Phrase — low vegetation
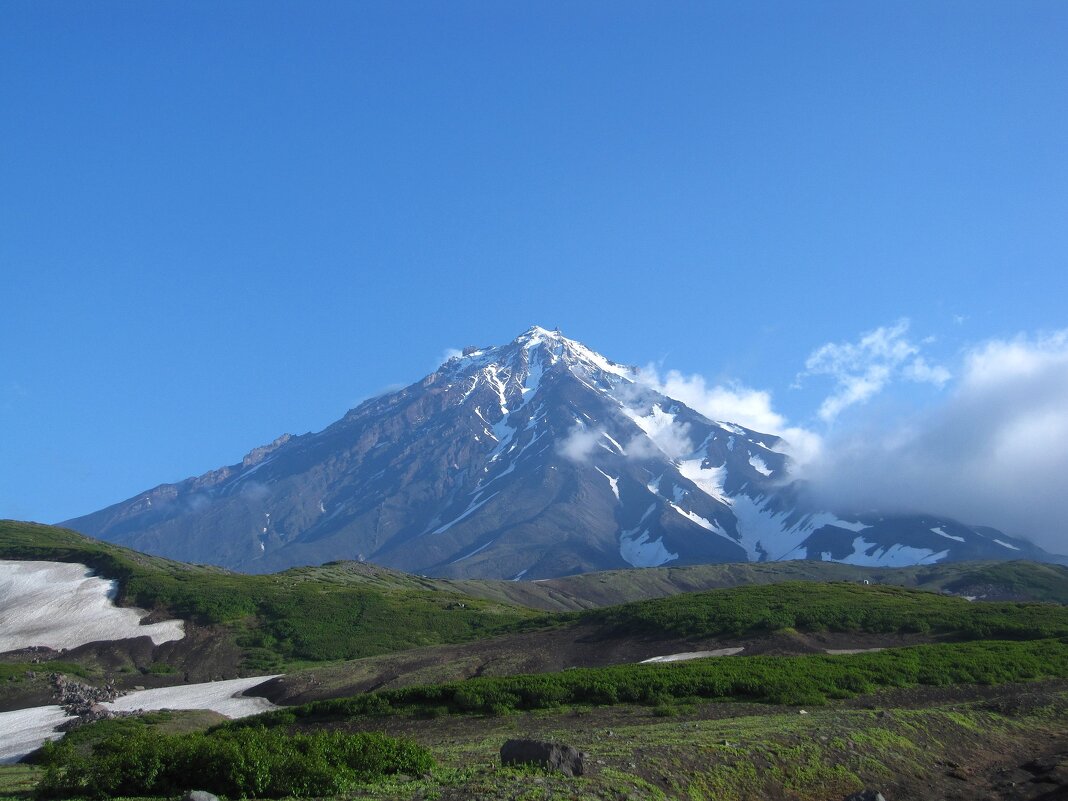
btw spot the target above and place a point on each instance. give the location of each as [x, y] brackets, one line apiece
[841, 606]
[258, 763]
[20, 671]
[796, 680]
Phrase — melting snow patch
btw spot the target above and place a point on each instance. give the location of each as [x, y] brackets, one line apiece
[26, 730]
[1006, 545]
[224, 697]
[641, 552]
[708, 479]
[731, 427]
[474, 507]
[827, 519]
[479, 549]
[613, 482]
[693, 517]
[764, 534]
[871, 554]
[759, 465]
[638, 551]
[691, 655]
[63, 605]
[938, 530]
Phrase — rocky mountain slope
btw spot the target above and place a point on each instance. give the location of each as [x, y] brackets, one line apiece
[534, 459]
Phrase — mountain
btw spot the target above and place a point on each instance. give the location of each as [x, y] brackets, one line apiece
[534, 459]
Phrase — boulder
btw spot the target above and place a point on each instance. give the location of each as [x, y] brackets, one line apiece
[199, 795]
[866, 795]
[554, 756]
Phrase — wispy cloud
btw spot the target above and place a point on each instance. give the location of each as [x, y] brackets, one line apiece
[862, 369]
[448, 353]
[580, 442]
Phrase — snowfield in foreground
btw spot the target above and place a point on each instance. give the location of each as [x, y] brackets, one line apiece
[25, 730]
[63, 605]
[219, 696]
[687, 655]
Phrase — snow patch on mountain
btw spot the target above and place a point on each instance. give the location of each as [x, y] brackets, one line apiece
[760, 465]
[477, 550]
[612, 482]
[872, 554]
[638, 550]
[708, 479]
[470, 510]
[938, 530]
[693, 517]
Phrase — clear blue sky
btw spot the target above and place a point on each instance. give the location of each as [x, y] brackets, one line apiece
[223, 221]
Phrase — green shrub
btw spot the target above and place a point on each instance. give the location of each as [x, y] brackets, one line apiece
[248, 762]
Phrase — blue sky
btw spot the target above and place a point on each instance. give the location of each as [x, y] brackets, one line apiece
[224, 221]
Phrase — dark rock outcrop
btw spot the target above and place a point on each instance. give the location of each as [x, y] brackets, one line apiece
[552, 756]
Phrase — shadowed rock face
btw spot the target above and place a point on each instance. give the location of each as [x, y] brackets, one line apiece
[534, 459]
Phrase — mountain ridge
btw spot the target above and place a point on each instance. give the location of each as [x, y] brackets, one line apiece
[533, 459]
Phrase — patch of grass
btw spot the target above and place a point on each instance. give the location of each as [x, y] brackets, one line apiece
[20, 671]
[18, 781]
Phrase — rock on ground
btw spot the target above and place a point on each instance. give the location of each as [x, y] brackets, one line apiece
[553, 756]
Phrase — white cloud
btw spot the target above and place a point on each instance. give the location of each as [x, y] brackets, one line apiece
[994, 452]
[921, 372]
[579, 443]
[662, 433]
[864, 368]
[734, 403]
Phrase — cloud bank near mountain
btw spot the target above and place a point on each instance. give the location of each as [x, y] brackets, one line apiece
[994, 450]
[735, 403]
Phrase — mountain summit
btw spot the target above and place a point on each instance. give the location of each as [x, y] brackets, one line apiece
[533, 459]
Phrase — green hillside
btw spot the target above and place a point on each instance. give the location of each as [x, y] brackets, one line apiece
[841, 607]
[1019, 580]
[300, 615]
